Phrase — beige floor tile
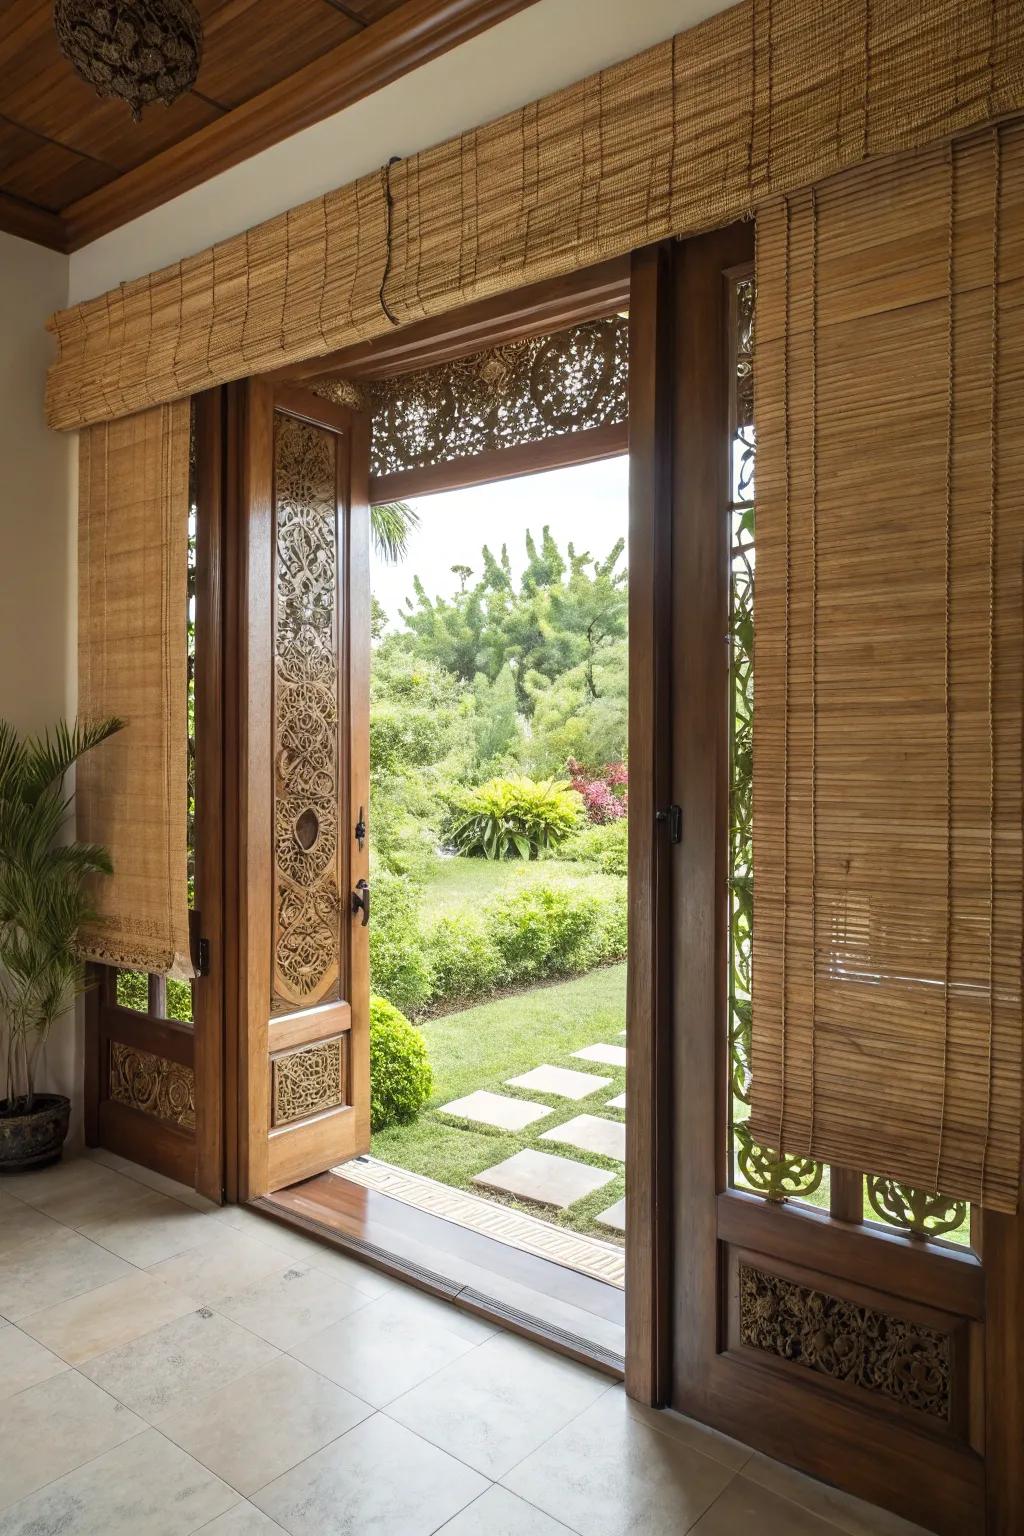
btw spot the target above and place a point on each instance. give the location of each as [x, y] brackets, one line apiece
[397, 1343]
[852, 1516]
[745, 1507]
[609, 1475]
[23, 1362]
[165, 1186]
[91, 1194]
[19, 1222]
[291, 1304]
[699, 1437]
[378, 1480]
[151, 1228]
[500, 1513]
[147, 1487]
[179, 1363]
[244, 1520]
[49, 1269]
[111, 1315]
[258, 1427]
[43, 1186]
[222, 1266]
[318, 1255]
[498, 1403]
[51, 1428]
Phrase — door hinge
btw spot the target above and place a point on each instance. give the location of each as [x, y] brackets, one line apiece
[673, 815]
[203, 957]
[360, 829]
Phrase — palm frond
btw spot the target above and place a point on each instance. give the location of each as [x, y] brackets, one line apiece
[48, 757]
[391, 524]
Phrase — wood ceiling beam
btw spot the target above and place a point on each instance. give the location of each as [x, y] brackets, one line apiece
[32, 223]
[411, 35]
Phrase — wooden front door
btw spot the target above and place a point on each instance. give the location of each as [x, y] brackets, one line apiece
[789, 1305]
[302, 754]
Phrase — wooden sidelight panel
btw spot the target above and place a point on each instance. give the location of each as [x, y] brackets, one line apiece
[154, 1083]
[822, 1319]
[302, 962]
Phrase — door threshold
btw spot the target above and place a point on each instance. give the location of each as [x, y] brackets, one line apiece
[575, 1315]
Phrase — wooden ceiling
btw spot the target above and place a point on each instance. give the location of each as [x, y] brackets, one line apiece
[73, 166]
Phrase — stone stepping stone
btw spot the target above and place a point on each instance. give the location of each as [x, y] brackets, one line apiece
[614, 1217]
[591, 1133]
[562, 1081]
[497, 1110]
[611, 1055]
[554, 1181]
[619, 1102]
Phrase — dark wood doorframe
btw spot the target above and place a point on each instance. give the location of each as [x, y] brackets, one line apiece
[962, 1476]
[191, 1154]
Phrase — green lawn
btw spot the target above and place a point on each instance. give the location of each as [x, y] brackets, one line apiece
[454, 883]
[481, 1047]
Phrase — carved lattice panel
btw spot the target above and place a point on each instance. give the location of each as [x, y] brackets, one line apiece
[873, 1350]
[306, 1081]
[306, 670]
[153, 1085]
[522, 392]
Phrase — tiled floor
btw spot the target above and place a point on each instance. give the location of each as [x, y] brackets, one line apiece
[166, 1368]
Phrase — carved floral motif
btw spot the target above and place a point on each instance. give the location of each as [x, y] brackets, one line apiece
[870, 1349]
[153, 1085]
[306, 1081]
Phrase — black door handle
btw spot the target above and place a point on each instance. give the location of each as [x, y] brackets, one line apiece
[361, 900]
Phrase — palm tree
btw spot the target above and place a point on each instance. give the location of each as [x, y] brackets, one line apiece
[43, 899]
[391, 523]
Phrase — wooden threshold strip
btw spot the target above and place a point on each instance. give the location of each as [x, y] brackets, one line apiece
[437, 1256]
[503, 464]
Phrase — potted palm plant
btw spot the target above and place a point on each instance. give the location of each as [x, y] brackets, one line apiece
[43, 901]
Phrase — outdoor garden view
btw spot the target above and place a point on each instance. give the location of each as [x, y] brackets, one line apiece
[498, 730]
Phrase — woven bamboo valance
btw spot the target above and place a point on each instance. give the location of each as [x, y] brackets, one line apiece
[132, 617]
[766, 97]
[890, 669]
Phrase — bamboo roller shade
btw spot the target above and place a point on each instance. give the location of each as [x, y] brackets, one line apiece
[887, 750]
[763, 98]
[132, 615]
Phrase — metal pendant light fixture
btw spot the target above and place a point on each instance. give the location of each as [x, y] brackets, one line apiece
[137, 50]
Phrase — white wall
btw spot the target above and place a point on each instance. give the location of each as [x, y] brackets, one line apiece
[37, 555]
[549, 45]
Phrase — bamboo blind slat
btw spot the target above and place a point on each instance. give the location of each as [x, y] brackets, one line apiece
[766, 97]
[132, 615]
[890, 669]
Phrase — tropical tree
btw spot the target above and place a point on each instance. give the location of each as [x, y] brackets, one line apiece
[44, 897]
[391, 523]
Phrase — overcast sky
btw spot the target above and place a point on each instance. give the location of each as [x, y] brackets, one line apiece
[585, 505]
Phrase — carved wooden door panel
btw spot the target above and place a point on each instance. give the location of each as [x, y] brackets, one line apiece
[303, 961]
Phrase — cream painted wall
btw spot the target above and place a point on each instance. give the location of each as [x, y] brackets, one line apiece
[37, 554]
[549, 45]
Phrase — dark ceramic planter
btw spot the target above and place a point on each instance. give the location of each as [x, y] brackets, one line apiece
[35, 1140]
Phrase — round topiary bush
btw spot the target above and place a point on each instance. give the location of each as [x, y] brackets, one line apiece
[400, 1075]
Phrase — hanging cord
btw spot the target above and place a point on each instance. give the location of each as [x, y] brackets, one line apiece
[389, 203]
[993, 555]
[814, 660]
[780, 1138]
[948, 647]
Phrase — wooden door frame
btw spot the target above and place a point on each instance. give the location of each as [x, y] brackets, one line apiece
[971, 1479]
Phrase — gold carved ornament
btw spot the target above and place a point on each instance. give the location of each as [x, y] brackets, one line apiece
[306, 1080]
[306, 848]
[153, 1085]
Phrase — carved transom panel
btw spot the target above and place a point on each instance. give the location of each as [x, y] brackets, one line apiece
[305, 1081]
[152, 1084]
[306, 848]
[518, 393]
[870, 1349]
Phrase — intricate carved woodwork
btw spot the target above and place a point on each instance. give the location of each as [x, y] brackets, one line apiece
[152, 1084]
[140, 51]
[519, 393]
[873, 1350]
[305, 1081]
[306, 670]
[914, 1211]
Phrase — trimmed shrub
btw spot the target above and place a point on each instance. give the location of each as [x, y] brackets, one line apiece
[514, 818]
[543, 932]
[400, 969]
[465, 961]
[605, 846]
[400, 1075]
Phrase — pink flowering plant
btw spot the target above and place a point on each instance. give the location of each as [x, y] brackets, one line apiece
[604, 792]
